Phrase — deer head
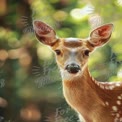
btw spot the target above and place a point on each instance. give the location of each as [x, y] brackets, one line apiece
[72, 53]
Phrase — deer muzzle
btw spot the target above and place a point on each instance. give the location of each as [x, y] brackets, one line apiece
[73, 68]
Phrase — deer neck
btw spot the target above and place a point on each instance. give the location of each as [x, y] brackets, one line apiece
[81, 90]
[83, 81]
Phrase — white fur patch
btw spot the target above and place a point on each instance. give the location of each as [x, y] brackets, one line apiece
[71, 39]
[68, 76]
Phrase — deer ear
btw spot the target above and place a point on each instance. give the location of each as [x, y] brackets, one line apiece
[101, 35]
[44, 33]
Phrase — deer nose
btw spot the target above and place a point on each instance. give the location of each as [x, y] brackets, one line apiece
[73, 68]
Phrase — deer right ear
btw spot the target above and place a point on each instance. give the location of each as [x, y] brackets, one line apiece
[101, 35]
[44, 33]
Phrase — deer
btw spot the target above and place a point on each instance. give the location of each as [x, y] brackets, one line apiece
[94, 101]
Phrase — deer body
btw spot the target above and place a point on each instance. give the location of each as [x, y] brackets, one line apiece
[92, 100]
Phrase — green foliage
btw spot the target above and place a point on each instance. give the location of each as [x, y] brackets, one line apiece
[32, 79]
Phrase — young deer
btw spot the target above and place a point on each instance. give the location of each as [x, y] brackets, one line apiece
[94, 101]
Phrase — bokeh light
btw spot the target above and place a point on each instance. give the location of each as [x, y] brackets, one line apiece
[3, 102]
[3, 55]
[44, 52]
[30, 113]
[82, 13]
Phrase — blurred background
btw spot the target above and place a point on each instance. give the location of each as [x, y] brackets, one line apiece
[30, 83]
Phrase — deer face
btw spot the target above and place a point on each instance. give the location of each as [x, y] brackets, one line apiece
[72, 53]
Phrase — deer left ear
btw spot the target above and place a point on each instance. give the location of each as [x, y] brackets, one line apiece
[101, 35]
[44, 33]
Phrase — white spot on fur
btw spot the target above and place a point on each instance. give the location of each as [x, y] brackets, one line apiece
[117, 115]
[101, 86]
[97, 83]
[107, 103]
[119, 102]
[115, 120]
[121, 119]
[117, 84]
[114, 108]
[112, 87]
[119, 97]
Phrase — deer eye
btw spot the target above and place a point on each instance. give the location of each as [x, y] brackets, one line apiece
[58, 52]
[86, 52]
